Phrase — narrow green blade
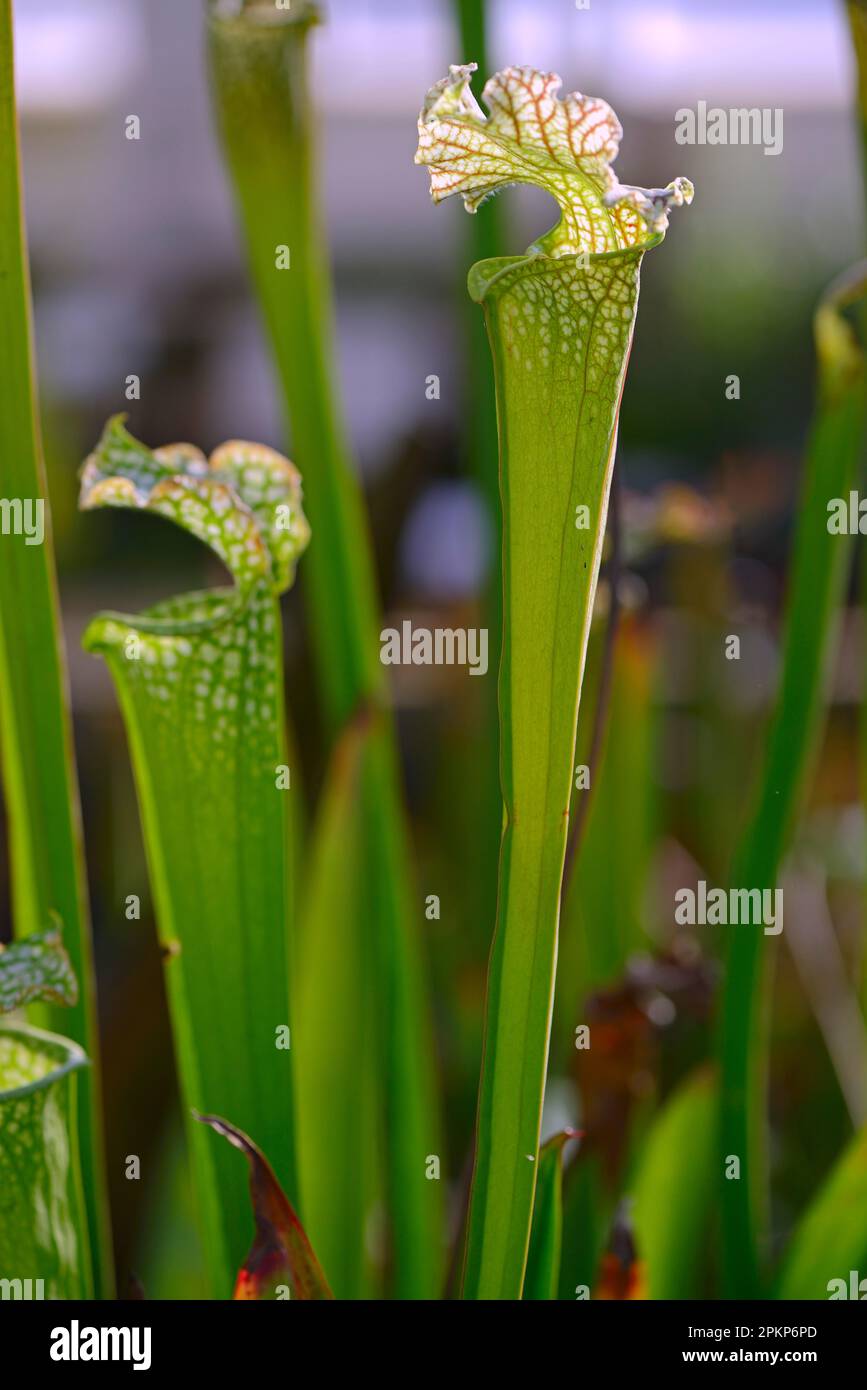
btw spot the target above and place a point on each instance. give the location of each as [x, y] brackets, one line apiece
[39, 778]
[340, 1096]
[673, 1190]
[546, 1238]
[258, 64]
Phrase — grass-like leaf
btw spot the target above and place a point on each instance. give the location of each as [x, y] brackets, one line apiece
[601, 917]
[43, 1225]
[338, 1080]
[673, 1189]
[819, 571]
[560, 323]
[831, 1239]
[201, 687]
[258, 61]
[546, 1239]
[39, 777]
[280, 1262]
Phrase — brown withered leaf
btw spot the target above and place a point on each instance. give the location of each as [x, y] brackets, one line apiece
[281, 1255]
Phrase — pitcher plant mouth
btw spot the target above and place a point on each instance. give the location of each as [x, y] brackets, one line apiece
[485, 275]
[243, 502]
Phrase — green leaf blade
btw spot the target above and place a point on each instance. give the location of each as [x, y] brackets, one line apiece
[673, 1190]
[39, 776]
[339, 1082]
[546, 1239]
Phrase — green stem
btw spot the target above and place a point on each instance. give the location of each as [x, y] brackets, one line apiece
[38, 763]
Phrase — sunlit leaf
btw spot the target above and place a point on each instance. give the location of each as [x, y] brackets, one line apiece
[40, 788]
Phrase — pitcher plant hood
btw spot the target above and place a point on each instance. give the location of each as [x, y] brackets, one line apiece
[565, 147]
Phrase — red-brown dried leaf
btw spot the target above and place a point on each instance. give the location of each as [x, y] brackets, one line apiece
[281, 1255]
